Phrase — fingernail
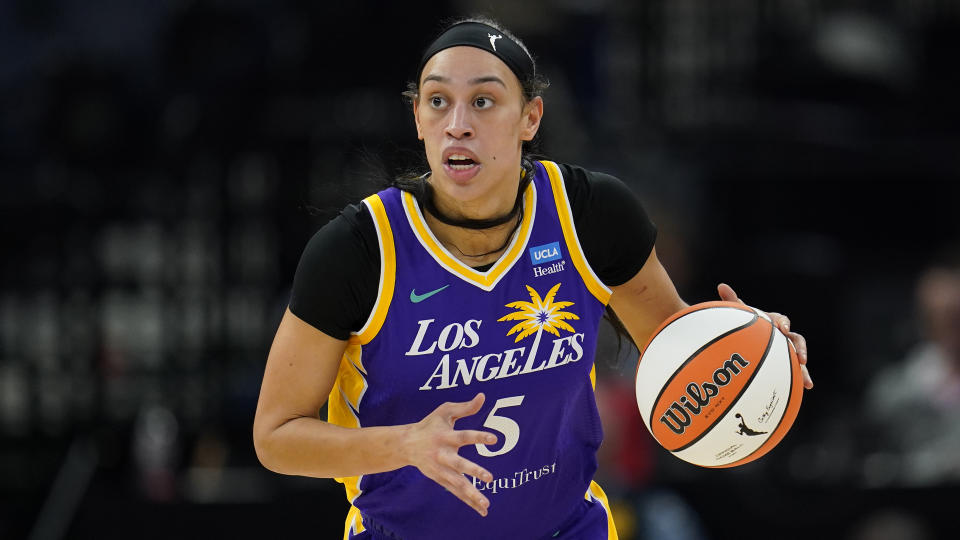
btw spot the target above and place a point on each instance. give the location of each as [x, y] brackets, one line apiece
[491, 439]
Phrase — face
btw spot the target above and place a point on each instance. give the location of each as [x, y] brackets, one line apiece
[472, 119]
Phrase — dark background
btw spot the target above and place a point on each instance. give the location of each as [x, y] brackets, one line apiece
[162, 165]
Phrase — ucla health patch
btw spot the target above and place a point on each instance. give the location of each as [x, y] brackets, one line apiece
[545, 253]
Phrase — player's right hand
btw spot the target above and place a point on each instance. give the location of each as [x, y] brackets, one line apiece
[431, 445]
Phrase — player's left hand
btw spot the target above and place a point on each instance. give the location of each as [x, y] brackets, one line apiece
[782, 322]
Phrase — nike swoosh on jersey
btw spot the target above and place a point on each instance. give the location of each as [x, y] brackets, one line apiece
[417, 298]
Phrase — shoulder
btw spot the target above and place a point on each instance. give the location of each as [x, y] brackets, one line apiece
[352, 232]
[586, 188]
[611, 223]
[337, 271]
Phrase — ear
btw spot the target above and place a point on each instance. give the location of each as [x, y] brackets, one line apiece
[532, 114]
[416, 117]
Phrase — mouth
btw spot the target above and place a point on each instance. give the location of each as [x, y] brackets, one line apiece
[461, 165]
[460, 162]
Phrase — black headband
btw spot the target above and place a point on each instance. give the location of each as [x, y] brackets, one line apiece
[486, 37]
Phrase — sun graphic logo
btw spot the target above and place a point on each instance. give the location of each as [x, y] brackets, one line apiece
[539, 315]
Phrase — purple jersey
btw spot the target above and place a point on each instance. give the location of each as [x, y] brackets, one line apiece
[523, 333]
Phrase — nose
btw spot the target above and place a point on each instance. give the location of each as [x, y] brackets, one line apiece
[460, 125]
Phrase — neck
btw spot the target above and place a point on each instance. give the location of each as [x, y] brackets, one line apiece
[475, 247]
[470, 222]
[474, 240]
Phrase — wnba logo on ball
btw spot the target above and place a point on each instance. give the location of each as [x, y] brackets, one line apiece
[700, 395]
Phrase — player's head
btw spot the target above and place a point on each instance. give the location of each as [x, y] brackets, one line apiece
[476, 104]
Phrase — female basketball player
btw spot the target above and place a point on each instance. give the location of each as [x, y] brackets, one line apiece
[450, 325]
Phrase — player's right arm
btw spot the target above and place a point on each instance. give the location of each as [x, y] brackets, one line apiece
[290, 438]
[330, 300]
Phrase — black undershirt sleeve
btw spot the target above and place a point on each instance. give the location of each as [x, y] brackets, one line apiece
[614, 230]
[336, 282]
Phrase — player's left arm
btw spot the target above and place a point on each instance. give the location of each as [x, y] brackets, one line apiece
[643, 295]
[646, 300]
[643, 298]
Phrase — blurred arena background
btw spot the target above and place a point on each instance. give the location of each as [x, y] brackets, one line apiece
[162, 165]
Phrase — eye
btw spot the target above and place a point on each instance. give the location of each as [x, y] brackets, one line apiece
[437, 102]
[483, 103]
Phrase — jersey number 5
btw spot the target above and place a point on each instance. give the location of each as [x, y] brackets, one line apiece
[502, 424]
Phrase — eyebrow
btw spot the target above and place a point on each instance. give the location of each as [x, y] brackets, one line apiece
[477, 80]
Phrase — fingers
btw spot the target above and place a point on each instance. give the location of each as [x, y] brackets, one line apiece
[807, 381]
[800, 344]
[450, 472]
[464, 490]
[782, 322]
[433, 450]
[468, 436]
[727, 293]
[461, 409]
[448, 468]
[465, 466]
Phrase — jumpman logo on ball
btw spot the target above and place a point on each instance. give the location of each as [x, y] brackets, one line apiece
[744, 430]
[493, 40]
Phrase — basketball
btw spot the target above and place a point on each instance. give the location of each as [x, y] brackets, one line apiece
[718, 385]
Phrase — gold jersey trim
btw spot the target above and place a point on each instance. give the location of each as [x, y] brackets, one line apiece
[354, 522]
[590, 279]
[594, 492]
[343, 403]
[388, 271]
[485, 280]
